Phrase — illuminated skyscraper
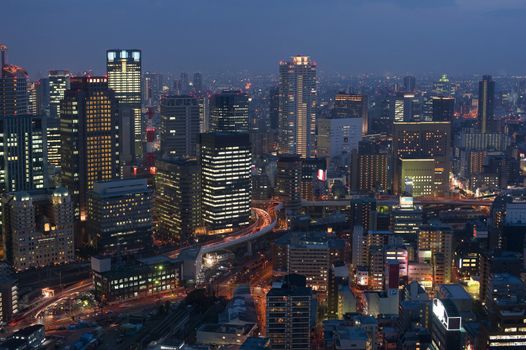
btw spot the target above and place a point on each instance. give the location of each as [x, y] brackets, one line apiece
[58, 82]
[177, 205]
[297, 106]
[124, 77]
[423, 140]
[89, 136]
[179, 129]
[352, 106]
[226, 161]
[229, 111]
[14, 84]
[120, 216]
[486, 110]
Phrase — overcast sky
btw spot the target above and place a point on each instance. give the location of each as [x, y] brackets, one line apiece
[347, 36]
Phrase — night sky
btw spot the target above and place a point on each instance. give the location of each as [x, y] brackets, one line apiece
[347, 36]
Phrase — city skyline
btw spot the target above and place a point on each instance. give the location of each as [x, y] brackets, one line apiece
[349, 37]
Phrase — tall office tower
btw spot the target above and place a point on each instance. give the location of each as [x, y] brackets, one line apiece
[420, 175]
[288, 181]
[184, 84]
[226, 186]
[352, 106]
[369, 168]
[59, 82]
[363, 212]
[289, 310]
[435, 246]
[120, 216]
[89, 135]
[338, 137]
[423, 140]
[204, 114]
[297, 106]
[409, 83]
[22, 157]
[274, 108]
[443, 109]
[123, 69]
[442, 87]
[38, 227]
[14, 84]
[152, 86]
[309, 254]
[198, 83]
[179, 128]
[34, 106]
[229, 111]
[404, 107]
[486, 108]
[177, 205]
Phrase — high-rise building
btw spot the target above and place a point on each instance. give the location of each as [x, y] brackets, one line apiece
[198, 83]
[22, 160]
[179, 128]
[435, 247]
[404, 107]
[309, 254]
[225, 160]
[177, 207]
[229, 111]
[58, 83]
[423, 140]
[89, 138]
[120, 216]
[419, 174]
[486, 107]
[409, 83]
[38, 228]
[352, 106]
[338, 137]
[369, 168]
[297, 106]
[123, 69]
[14, 85]
[443, 109]
[288, 181]
[289, 310]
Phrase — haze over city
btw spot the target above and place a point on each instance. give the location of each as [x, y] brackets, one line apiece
[345, 36]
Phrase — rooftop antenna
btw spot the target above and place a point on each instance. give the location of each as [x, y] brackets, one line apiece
[3, 51]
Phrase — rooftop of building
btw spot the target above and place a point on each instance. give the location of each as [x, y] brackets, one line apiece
[255, 343]
[226, 328]
[453, 291]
